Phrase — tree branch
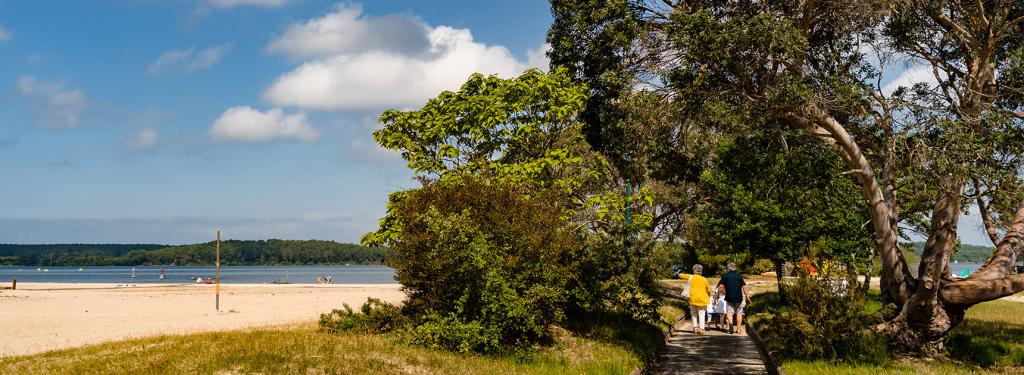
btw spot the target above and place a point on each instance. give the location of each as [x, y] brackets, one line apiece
[986, 217]
[969, 292]
[1009, 25]
[962, 35]
[897, 281]
[1001, 262]
[980, 7]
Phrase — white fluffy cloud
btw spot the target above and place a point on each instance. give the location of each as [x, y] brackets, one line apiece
[347, 31]
[538, 58]
[56, 106]
[189, 60]
[911, 76]
[143, 141]
[237, 3]
[245, 124]
[5, 34]
[352, 71]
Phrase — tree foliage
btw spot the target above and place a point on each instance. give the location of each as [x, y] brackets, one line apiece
[481, 252]
[920, 154]
[518, 222]
[522, 131]
[766, 200]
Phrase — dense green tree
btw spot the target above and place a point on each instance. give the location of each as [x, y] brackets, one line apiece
[920, 154]
[524, 131]
[779, 198]
[484, 254]
[472, 147]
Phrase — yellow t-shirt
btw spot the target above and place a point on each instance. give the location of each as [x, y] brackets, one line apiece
[700, 290]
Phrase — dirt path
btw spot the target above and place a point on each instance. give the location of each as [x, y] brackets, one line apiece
[715, 353]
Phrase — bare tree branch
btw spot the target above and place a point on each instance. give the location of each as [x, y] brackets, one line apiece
[986, 218]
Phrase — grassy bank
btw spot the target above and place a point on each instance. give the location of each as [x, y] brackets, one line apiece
[599, 345]
[987, 342]
[303, 350]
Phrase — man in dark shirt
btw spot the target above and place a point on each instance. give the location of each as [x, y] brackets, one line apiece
[736, 297]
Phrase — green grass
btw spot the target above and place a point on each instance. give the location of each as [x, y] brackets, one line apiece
[304, 350]
[991, 336]
[936, 368]
[989, 341]
[596, 345]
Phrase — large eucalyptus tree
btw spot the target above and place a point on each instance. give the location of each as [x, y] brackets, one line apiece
[921, 154]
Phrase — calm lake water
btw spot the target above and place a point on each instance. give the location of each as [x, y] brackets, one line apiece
[354, 274]
[958, 269]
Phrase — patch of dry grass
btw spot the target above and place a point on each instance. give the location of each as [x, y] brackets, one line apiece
[304, 350]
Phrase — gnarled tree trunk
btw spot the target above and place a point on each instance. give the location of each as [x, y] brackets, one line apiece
[925, 318]
[932, 304]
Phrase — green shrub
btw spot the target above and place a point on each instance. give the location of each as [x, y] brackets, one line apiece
[665, 255]
[451, 333]
[612, 276]
[374, 316]
[820, 321]
[760, 266]
[483, 253]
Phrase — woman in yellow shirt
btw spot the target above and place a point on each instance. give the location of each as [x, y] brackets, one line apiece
[700, 297]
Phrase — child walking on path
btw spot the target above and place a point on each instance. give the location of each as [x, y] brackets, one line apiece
[716, 311]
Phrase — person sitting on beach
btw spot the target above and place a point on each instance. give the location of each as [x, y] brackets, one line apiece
[700, 297]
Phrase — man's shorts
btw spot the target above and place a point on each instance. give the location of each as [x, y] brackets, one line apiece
[737, 308]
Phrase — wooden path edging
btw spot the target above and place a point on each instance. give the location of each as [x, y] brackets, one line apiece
[769, 361]
[667, 331]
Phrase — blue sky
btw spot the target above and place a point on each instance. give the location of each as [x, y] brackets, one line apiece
[162, 121]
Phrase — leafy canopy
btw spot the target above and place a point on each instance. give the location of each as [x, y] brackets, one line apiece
[521, 131]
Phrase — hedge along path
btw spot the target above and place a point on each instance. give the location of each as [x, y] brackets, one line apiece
[715, 353]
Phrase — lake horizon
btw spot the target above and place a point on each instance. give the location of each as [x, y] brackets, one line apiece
[340, 274]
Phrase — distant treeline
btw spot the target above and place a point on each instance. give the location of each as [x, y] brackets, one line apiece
[232, 252]
[966, 253]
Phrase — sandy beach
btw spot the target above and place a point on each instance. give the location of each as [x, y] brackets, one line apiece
[39, 317]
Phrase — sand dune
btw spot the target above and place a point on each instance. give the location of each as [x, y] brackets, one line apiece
[40, 317]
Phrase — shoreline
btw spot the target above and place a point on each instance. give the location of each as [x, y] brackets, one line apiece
[41, 317]
[36, 285]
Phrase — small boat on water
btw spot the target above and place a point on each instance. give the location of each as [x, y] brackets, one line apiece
[201, 280]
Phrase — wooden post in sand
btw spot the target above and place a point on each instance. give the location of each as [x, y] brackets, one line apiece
[218, 271]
